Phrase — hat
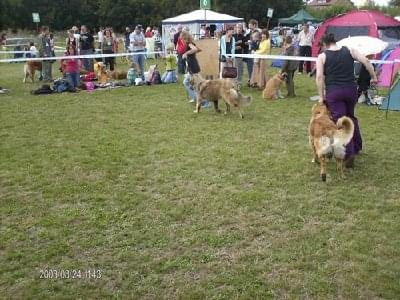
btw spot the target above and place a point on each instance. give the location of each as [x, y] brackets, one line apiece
[74, 28]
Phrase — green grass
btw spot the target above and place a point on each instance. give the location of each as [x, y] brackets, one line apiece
[169, 204]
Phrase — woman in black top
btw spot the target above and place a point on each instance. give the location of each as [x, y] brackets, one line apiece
[190, 54]
[337, 86]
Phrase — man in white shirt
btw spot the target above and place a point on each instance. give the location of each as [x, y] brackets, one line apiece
[137, 47]
[305, 43]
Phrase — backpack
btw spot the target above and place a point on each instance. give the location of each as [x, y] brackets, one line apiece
[156, 78]
[44, 89]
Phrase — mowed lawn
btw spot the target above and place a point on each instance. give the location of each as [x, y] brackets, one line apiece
[131, 185]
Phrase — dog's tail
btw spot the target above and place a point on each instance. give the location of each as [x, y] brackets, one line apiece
[345, 131]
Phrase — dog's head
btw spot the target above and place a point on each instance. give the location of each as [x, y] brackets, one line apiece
[319, 109]
[196, 79]
[244, 100]
[282, 76]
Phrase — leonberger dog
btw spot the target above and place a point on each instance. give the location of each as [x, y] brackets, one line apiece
[30, 67]
[328, 139]
[271, 90]
[213, 90]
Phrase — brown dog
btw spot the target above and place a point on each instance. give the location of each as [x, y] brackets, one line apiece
[328, 139]
[30, 68]
[213, 90]
[271, 90]
[116, 75]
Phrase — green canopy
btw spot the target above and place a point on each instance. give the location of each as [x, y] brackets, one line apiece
[300, 17]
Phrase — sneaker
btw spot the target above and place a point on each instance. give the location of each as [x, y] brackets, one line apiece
[206, 105]
[192, 101]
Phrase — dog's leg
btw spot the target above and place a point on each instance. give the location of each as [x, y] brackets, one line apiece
[228, 108]
[322, 161]
[339, 168]
[198, 105]
[314, 152]
[216, 106]
[240, 113]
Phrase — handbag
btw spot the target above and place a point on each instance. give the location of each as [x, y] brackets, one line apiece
[229, 72]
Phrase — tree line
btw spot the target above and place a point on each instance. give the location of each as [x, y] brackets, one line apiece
[62, 14]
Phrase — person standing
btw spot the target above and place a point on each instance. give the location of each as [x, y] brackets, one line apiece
[127, 41]
[337, 88]
[72, 67]
[87, 47]
[289, 66]
[138, 45]
[108, 46]
[180, 49]
[46, 52]
[305, 43]
[259, 76]
[239, 49]
[253, 24]
[227, 46]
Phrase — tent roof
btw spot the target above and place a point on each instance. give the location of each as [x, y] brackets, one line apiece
[298, 18]
[363, 18]
[197, 16]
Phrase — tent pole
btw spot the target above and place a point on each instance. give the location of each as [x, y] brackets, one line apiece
[391, 77]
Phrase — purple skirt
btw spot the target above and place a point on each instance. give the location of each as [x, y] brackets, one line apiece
[341, 101]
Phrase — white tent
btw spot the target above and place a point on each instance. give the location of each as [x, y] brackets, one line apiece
[193, 21]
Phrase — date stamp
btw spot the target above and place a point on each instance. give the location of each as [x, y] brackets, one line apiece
[70, 274]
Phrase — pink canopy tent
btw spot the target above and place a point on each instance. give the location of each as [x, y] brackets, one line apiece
[389, 71]
[358, 22]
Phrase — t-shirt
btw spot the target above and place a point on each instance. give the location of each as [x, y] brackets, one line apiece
[305, 39]
[72, 65]
[33, 51]
[137, 38]
[86, 41]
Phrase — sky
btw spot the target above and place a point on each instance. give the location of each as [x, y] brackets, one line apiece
[379, 2]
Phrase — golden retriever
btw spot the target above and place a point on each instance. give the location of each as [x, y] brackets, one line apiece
[116, 75]
[30, 67]
[215, 89]
[328, 139]
[101, 73]
[271, 90]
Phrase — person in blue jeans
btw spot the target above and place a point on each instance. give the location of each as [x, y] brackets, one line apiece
[192, 66]
[138, 48]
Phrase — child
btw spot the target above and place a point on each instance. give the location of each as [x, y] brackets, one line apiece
[289, 66]
[132, 74]
[32, 50]
[71, 67]
[363, 82]
[170, 75]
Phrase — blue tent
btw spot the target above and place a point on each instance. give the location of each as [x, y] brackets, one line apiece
[392, 101]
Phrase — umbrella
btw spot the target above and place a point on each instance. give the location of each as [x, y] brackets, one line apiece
[366, 45]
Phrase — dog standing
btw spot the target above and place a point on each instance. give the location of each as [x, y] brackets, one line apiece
[328, 139]
[30, 68]
[272, 88]
[215, 89]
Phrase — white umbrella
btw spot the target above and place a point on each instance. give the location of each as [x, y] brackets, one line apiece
[366, 45]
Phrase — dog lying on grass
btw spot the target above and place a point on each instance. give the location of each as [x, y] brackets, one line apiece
[328, 139]
[213, 90]
[272, 88]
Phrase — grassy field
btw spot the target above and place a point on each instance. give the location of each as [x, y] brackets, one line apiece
[130, 186]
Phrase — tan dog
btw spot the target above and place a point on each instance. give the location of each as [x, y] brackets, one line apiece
[271, 90]
[213, 90]
[327, 138]
[30, 68]
[116, 75]
[100, 70]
